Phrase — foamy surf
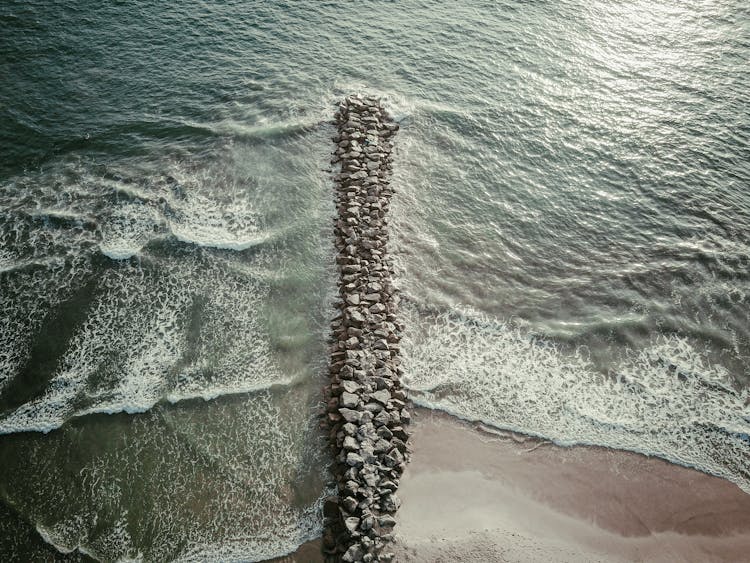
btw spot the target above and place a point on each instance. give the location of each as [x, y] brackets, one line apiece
[131, 353]
[283, 541]
[49, 537]
[214, 238]
[128, 229]
[248, 456]
[193, 219]
[666, 400]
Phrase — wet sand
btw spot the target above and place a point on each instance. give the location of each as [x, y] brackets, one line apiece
[472, 494]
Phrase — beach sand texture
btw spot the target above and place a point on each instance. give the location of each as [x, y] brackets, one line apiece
[471, 494]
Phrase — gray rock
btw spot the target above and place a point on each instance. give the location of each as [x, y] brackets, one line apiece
[384, 372]
[381, 383]
[373, 407]
[368, 456]
[400, 395]
[390, 485]
[351, 523]
[350, 386]
[349, 504]
[399, 444]
[380, 446]
[366, 430]
[354, 553]
[368, 522]
[397, 455]
[381, 419]
[356, 317]
[389, 461]
[387, 521]
[398, 405]
[349, 400]
[383, 431]
[354, 459]
[371, 479]
[377, 308]
[400, 433]
[352, 299]
[350, 444]
[382, 396]
[350, 415]
[390, 503]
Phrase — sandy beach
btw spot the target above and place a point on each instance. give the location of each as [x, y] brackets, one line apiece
[472, 494]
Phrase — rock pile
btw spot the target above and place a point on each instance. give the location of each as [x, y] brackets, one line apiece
[366, 411]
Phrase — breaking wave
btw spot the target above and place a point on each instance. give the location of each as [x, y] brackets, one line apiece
[665, 400]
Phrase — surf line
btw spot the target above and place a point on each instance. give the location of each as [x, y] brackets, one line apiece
[366, 413]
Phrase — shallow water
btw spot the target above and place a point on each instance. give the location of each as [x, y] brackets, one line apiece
[570, 227]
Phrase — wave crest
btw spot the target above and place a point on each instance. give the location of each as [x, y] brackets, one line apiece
[666, 400]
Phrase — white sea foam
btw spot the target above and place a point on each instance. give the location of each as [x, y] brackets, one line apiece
[193, 219]
[287, 537]
[214, 239]
[199, 218]
[666, 400]
[128, 229]
[176, 323]
[26, 298]
[115, 539]
[49, 537]
[224, 477]
[7, 259]
[132, 351]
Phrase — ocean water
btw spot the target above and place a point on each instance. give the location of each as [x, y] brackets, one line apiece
[571, 229]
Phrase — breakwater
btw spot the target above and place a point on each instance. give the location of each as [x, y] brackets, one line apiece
[366, 413]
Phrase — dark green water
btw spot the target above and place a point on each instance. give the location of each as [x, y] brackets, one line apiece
[571, 227]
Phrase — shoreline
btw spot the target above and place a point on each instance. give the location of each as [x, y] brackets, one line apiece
[472, 493]
[516, 498]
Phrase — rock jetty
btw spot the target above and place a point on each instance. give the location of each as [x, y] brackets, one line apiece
[366, 414]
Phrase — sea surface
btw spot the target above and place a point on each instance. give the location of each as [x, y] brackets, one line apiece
[571, 229]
